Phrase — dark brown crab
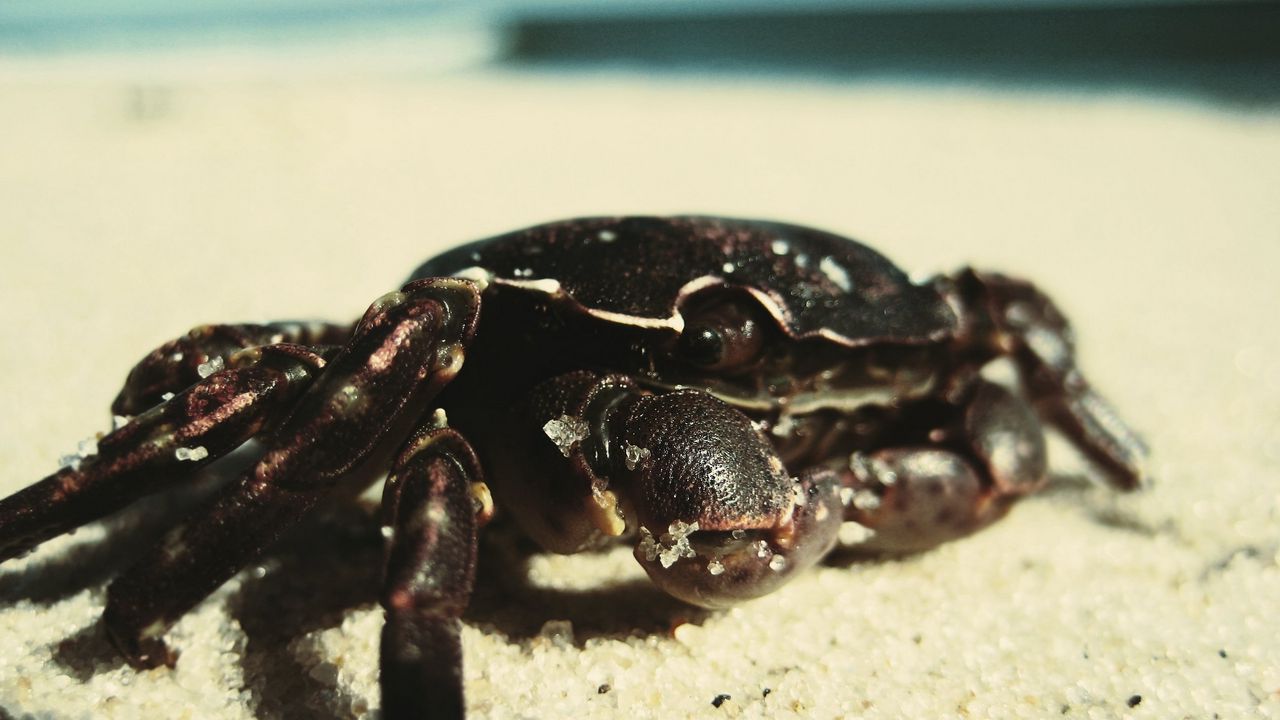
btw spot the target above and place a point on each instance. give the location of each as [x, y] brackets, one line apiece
[722, 393]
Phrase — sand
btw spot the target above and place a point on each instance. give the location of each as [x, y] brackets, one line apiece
[134, 208]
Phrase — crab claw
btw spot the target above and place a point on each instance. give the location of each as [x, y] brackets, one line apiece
[720, 519]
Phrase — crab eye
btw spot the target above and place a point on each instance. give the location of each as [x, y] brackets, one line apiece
[702, 346]
[724, 336]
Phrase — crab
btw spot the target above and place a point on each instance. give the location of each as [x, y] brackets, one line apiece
[728, 396]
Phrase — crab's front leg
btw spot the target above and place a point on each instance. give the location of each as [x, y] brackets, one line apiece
[407, 346]
[1007, 316]
[961, 467]
[965, 458]
[433, 502]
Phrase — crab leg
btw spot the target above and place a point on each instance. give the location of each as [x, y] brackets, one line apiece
[181, 362]
[169, 442]
[1016, 319]
[978, 462]
[407, 346]
[429, 515]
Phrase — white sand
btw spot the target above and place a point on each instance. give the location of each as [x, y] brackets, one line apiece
[130, 212]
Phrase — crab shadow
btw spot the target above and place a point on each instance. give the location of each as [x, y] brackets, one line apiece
[310, 582]
[331, 565]
[318, 574]
[507, 601]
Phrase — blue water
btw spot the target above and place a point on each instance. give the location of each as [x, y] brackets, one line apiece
[1226, 51]
[30, 26]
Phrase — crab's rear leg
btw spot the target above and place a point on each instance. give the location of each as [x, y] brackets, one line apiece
[163, 445]
[407, 346]
[432, 504]
[1007, 316]
[974, 460]
[183, 361]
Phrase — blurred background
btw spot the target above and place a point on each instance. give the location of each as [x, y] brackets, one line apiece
[1220, 50]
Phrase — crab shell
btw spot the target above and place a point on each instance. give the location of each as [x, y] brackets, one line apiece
[637, 271]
